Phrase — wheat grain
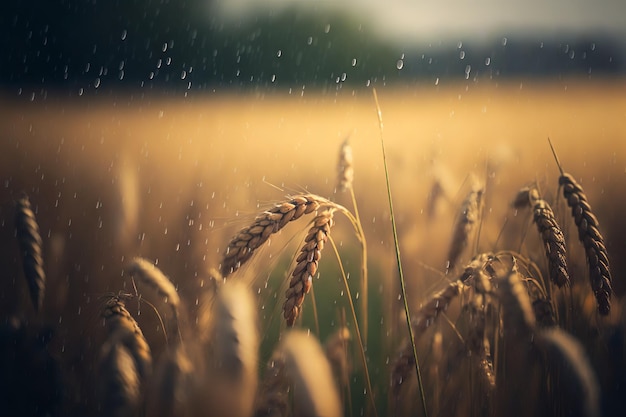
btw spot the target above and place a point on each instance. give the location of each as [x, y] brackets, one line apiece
[249, 239]
[591, 238]
[306, 265]
[31, 250]
[465, 224]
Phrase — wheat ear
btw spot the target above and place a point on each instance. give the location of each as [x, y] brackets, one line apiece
[122, 328]
[345, 167]
[315, 393]
[306, 267]
[590, 236]
[552, 237]
[119, 384]
[30, 249]
[424, 318]
[575, 376]
[249, 239]
[152, 276]
[465, 224]
[518, 316]
[235, 350]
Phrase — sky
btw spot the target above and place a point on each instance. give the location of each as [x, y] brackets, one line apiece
[426, 19]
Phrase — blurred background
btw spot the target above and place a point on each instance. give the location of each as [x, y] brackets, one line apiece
[191, 46]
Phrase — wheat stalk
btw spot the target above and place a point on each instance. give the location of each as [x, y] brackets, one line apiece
[464, 225]
[306, 265]
[249, 239]
[591, 238]
[31, 250]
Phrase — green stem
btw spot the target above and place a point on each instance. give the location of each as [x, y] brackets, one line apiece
[398, 258]
[368, 381]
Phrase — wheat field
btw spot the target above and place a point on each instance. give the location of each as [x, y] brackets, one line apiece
[121, 181]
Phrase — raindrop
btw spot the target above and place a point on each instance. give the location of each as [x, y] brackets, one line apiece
[462, 55]
[437, 81]
[400, 64]
[124, 34]
[96, 83]
[164, 48]
[327, 28]
[487, 61]
[504, 41]
[183, 75]
[309, 40]
[279, 53]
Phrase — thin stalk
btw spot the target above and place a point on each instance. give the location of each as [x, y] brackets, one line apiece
[359, 337]
[364, 283]
[398, 258]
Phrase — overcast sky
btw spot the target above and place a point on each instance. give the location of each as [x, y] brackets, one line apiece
[432, 19]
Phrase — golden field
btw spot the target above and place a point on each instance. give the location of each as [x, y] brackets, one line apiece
[173, 179]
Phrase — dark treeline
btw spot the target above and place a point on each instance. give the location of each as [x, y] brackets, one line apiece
[98, 45]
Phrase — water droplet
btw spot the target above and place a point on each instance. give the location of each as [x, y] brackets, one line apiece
[124, 34]
[354, 62]
[96, 83]
[487, 61]
[400, 64]
[309, 40]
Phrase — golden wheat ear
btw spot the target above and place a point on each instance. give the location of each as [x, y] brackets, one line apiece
[123, 329]
[314, 390]
[591, 238]
[234, 341]
[148, 273]
[552, 237]
[249, 239]
[345, 167]
[465, 224]
[306, 267]
[30, 244]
